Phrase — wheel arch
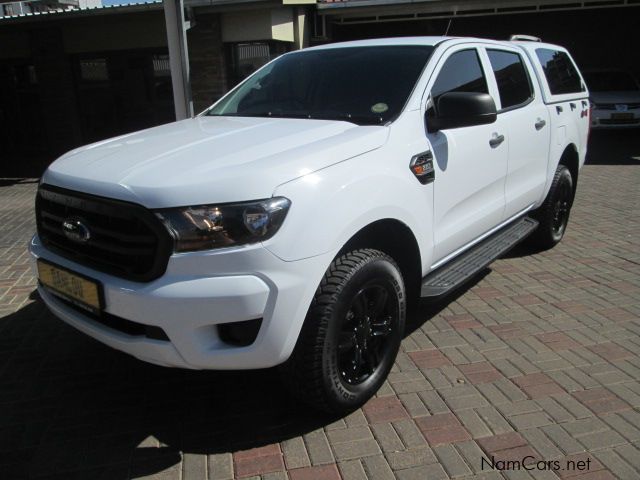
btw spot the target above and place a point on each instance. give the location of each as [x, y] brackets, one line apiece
[397, 240]
[571, 159]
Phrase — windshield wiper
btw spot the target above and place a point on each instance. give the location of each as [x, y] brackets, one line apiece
[263, 115]
[358, 119]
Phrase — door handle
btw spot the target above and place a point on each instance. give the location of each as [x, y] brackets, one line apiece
[496, 140]
[540, 124]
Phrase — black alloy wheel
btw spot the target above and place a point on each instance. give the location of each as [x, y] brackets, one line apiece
[561, 208]
[351, 335]
[553, 214]
[366, 331]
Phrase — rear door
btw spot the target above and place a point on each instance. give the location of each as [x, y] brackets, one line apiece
[470, 163]
[526, 119]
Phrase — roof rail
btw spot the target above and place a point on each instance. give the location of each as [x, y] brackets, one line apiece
[524, 38]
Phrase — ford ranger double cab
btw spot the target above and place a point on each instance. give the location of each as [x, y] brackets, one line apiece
[291, 222]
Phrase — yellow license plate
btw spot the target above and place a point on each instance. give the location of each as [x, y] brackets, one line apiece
[622, 116]
[71, 286]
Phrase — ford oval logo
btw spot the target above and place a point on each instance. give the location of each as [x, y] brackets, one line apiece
[75, 230]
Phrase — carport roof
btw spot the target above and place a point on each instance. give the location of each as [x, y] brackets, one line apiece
[457, 7]
[135, 6]
[82, 12]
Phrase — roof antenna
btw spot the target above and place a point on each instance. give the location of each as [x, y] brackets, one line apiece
[448, 27]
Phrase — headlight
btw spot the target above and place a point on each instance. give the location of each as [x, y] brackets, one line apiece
[206, 227]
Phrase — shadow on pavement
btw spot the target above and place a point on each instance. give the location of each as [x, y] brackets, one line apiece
[614, 147]
[68, 403]
[71, 407]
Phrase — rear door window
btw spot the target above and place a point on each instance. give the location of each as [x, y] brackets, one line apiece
[562, 75]
[512, 78]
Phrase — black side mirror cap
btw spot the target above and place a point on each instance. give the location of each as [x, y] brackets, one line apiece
[461, 109]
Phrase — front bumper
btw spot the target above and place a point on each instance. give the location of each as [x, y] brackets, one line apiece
[607, 119]
[199, 291]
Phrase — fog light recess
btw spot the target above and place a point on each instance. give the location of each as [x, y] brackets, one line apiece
[240, 334]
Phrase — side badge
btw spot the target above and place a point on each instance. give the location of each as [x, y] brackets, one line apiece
[422, 167]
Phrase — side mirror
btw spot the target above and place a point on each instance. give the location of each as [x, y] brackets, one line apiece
[461, 109]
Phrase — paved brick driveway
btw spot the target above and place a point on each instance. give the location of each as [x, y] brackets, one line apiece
[537, 360]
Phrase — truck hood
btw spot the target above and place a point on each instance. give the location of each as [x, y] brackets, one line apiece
[210, 159]
[615, 97]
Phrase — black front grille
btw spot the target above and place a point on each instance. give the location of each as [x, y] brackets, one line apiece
[612, 106]
[127, 240]
[620, 121]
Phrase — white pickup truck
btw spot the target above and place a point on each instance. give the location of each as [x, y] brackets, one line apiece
[291, 223]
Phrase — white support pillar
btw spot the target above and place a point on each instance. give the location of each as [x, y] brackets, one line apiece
[178, 58]
[300, 30]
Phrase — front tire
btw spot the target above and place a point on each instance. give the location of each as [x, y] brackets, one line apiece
[553, 214]
[351, 334]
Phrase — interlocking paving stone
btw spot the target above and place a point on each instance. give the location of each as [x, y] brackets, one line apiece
[616, 464]
[433, 471]
[258, 461]
[384, 409]
[326, 472]
[411, 457]
[429, 359]
[295, 453]
[544, 350]
[601, 401]
[558, 341]
[537, 385]
[352, 470]
[349, 435]
[472, 422]
[542, 444]
[355, 449]
[442, 428]
[413, 404]
[453, 463]
[220, 466]
[482, 372]
[318, 448]
[377, 468]
[610, 352]
[387, 437]
[494, 420]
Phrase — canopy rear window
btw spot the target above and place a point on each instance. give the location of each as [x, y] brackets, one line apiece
[562, 75]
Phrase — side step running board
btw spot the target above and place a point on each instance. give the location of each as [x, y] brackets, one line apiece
[463, 267]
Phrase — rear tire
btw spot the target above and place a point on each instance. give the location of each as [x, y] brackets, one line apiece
[553, 214]
[351, 334]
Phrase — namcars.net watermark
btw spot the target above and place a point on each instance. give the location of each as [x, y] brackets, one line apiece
[531, 463]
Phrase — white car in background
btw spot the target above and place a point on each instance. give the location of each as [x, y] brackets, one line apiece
[615, 98]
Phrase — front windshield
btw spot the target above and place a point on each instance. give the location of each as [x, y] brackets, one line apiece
[610, 82]
[363, 85]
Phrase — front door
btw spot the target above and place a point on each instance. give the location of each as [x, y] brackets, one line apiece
[470, 162]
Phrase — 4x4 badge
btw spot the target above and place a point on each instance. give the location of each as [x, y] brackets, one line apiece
[422, 167]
